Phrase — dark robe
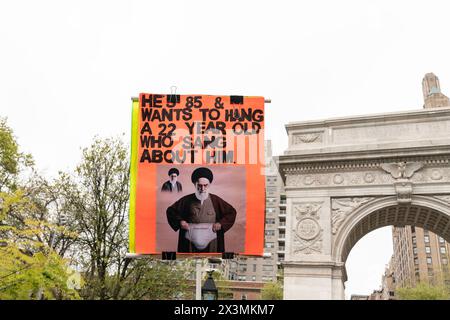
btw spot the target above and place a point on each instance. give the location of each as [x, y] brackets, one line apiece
[180, 210]
[167, 187]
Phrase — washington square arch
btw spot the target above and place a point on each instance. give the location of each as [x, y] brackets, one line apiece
[346, 177]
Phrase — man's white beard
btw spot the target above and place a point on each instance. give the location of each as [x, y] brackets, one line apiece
[201, 196]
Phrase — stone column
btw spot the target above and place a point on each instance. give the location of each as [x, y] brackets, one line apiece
[314, 281]
[309, 270]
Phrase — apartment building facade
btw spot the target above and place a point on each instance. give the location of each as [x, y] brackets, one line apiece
[419, 255]
[267, 268]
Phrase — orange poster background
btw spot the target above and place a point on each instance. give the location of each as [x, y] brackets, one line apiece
[147, 187]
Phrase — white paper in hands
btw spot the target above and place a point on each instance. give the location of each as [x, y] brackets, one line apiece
[200, 234]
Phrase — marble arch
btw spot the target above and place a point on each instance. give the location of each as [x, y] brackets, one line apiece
[345, 177]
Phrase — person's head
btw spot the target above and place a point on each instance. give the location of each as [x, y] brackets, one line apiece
[173, 174]
[202, 185]
[202, 178]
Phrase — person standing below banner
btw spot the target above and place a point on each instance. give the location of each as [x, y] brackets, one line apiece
[201, 217]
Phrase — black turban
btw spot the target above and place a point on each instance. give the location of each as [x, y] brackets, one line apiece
[174, 170]
[202, 173]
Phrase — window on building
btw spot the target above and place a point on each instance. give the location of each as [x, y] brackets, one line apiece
[414, 240]
[441, 240]
[253, 278]
[444, 261]
[429, 260]
[426, 238]
[243, 297]
[416, 261]
[415, 250]
[442, 250]
[270, 245]
[254, 268]
[270, 232]
[427, 249]
[267, 268]
[270, 221]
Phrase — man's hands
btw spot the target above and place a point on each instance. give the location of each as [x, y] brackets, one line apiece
[184, 225]
[216, 227]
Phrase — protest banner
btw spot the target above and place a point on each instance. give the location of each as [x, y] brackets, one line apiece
[197, 174]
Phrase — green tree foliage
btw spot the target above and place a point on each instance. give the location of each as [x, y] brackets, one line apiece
[9, 154]
[29, 267]
[42, 275]
[156, 280]
[272, 291]
[96, 199]
[11, 160]
[423, 291]
[80, 220]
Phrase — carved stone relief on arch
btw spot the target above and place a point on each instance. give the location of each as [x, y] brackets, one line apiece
[306, 229]
[366, 177]
[445, 198]
[342, 209]
[338, 179]
[307, 137]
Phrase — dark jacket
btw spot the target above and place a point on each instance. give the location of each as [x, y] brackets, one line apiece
[167, 186]
[225, 215]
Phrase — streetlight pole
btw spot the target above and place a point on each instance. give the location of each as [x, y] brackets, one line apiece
[198, 278]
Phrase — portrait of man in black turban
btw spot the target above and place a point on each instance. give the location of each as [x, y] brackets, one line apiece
[172, 185]
[202, 218]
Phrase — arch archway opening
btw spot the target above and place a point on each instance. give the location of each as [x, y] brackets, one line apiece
[368, 263]
[398, 216]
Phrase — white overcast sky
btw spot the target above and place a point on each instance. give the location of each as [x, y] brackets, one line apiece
[69, 68]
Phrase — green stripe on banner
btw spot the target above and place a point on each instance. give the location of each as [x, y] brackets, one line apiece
[133, 174]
